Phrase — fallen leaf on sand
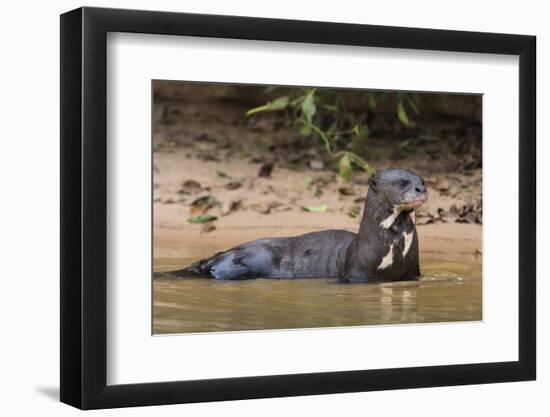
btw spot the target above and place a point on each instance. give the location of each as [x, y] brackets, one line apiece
[207, 227]
[470, 213]
[202, 204]
[354, 212]
[265, 170]
[203, 218]
[233, 185]
[346, 191]
[316, 209]
[229, 206]
[265, 208]
[282, 208]
[190, 187]
[222, 174]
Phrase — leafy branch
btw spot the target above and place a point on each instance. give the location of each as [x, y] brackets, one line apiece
[310, 107]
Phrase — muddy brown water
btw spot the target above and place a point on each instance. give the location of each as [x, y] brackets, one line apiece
[447, 291]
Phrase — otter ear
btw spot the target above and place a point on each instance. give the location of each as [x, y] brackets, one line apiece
[373, 184]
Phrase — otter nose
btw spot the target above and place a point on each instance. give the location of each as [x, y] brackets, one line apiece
[420, 189]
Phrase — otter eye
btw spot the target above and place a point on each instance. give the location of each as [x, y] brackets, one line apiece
[404, 183]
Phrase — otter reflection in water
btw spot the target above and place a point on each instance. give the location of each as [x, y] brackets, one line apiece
[384, 249]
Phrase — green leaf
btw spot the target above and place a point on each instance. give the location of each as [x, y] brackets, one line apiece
[297, 100]
[354, 212]
[402, 114]
[222, 174]
[372, 101]
[308, 107]
[205, 199]
[331, 107]
[202, 218]
[361, 131]
[305, 130]
[367, 168]
[277, 104]
[258, 109]
[344, 167]
[411, 102]
[319, 209]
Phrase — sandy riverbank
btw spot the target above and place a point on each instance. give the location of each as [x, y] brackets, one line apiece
[210, 150]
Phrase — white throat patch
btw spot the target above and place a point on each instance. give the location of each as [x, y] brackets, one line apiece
[387, 222]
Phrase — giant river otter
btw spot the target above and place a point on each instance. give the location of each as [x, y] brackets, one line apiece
[384, 249]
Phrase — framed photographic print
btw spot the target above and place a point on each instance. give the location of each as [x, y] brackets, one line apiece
[257, 207]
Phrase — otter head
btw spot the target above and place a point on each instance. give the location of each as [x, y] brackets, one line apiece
[398, 189]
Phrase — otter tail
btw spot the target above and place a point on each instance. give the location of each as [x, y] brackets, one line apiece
[199, 269]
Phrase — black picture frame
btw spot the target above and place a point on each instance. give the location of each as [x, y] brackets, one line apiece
[84, 207]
